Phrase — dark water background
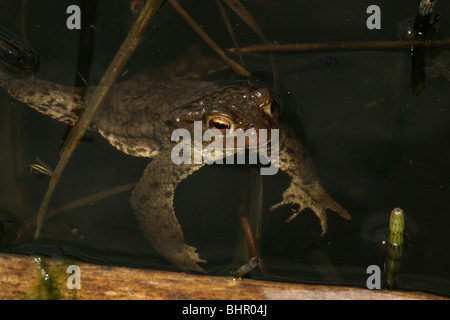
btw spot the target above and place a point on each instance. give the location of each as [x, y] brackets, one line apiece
[375, 146]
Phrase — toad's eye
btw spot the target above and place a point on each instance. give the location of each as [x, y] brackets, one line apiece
[219, 124]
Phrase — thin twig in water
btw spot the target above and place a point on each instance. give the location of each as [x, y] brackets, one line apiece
[243, 215]
[236, 67]
[375, 45]
[112, 73]
[249, 235]
[247, 17]
[229, 28]
[27, 224]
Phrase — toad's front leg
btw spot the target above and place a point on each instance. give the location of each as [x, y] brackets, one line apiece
[305, 189]
[152, 202]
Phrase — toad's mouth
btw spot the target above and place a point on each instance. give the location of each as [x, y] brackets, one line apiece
[213, 146]
[239, 140]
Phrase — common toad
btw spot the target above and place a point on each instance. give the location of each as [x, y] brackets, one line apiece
[138, 117]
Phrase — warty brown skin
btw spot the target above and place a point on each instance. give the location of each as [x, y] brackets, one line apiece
[138, 118]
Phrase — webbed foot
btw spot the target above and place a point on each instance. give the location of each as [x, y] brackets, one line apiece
[315, 198]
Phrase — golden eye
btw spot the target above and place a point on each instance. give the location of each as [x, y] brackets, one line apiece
[219, 124]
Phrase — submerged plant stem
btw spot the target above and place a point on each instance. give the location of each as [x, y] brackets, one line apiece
[246, 268]
[250, 220]
[229, 28]
[27, 224]
[372, 45]
[395, 247]
[246, 16]
[112, 73]
[210, 42]
[249, 235]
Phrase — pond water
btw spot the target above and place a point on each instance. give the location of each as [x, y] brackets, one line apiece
[375, 146]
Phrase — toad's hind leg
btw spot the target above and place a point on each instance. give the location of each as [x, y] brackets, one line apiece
[152, 202]
[59, 102]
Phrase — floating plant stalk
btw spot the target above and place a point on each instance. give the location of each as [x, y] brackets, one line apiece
[395, 247]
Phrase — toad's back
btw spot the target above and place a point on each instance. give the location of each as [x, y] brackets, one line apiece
[133, 117]
[140, 108]
[142, 102]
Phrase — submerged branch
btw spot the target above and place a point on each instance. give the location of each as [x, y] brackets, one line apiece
[246, 16]
[251, 221]
[250, 237]
[210, 42]
[229, 28]
[27, 224]
[375, 45]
